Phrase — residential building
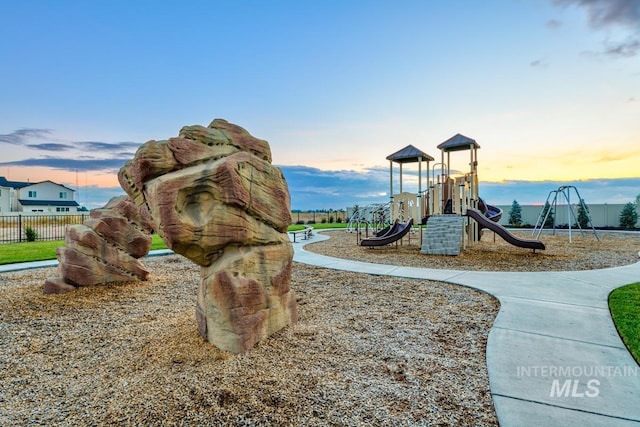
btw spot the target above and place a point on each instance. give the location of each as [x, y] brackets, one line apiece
[45, 197]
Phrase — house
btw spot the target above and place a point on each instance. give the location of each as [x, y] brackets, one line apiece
[45, 196]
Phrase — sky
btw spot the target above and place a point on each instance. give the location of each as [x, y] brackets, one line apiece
[550, 90]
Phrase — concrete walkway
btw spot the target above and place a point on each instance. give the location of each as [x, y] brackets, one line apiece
[554, 356]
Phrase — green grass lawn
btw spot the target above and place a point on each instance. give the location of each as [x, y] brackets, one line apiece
[39, 251]
[28, 251]
[624, 304]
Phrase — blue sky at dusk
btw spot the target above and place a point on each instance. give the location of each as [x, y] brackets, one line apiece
[550, 89]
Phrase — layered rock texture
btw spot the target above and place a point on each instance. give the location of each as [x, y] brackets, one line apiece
[215, 198]
[104, 249]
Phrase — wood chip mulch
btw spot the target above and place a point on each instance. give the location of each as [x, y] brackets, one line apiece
[367, 350]
[583, 252]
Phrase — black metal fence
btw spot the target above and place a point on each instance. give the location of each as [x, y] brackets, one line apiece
[23, 228]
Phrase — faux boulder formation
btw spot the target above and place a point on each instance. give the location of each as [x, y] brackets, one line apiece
[104, 249]
[215, 198]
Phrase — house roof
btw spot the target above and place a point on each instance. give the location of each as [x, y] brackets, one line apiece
[13, 184]
[409, 154]
[458, 142]
[21, 184]
[48, 202]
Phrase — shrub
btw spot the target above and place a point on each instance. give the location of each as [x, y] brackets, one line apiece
[323, 220]
[548, 223]
[30, 234]
[628, 216]
[515, 214]
[311, 221]
[583, 214]
[300, 222]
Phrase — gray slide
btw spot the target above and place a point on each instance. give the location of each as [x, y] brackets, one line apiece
[503, 232]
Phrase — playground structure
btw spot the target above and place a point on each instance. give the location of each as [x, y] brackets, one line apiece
[447, 194]
[391, 234]
[407, 205]
[374, 218]
[565, 191]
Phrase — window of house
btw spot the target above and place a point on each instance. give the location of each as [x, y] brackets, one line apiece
[62, 209]
[63, 194]
[33, 193]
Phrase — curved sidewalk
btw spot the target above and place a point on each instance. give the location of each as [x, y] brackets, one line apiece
[554, 356]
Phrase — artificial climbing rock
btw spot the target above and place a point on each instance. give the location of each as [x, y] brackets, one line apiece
[104, 249]
[214, 197]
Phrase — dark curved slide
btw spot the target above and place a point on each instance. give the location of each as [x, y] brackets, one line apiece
[400, 230]
[503, 232]
[389, 229]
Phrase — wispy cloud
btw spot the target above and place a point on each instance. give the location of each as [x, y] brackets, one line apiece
[553, 24]
[626, 48]
[604, 13]
[538, 63]
[609, 13]
[50, 146]
[315, 188]
[312, 188]
[59, 163]
[614, 191]
[103, 156]
[109, 146]
[21, 136]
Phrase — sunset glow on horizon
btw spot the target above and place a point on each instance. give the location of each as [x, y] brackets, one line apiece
[549, 89]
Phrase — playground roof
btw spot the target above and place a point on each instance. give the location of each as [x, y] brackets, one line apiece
[458, 142]
[409, 154]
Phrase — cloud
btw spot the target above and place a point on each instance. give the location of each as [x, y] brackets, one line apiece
[24, 136]
[109, 146]
[312, 188]
[102, 156]
[538, 63]
[72, 165]
[21, 136]
[614, 191]
[93, 197]
[628, 48]
[553, 24]
[603, 13]
[610, 13]
[50, 146]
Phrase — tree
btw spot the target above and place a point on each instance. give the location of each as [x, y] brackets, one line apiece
[628, 216]
[515, 214]
[583, 214]
[550, 220]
